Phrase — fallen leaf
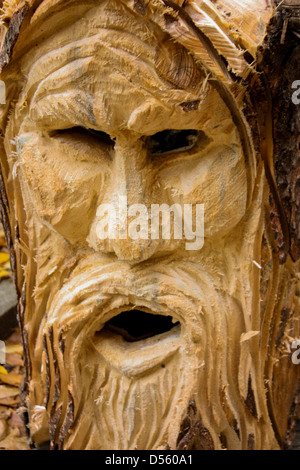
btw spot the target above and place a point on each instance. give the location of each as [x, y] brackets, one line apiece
[11, 402]
[14, 360]
[16, 421]
[8, 392]
[5, 413]
[3, 274]
[15, 338]
[11, 379]
[3, 371]
[14, 349]
[4, 258]
[3, 429]
[14, 442]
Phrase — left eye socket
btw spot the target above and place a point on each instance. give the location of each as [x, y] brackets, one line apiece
[82, 133]
[171, 141]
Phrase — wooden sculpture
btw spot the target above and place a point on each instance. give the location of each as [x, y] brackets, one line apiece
[139, 342]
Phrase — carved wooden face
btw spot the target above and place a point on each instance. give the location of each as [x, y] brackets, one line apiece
[125, 335]
[131, 136]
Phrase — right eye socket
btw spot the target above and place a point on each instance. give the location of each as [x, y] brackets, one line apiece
[172, 141]
[82, 133]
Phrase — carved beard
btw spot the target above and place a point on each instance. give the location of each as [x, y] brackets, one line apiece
[134, 395]
[87, 397]
[137, 392]
[103, 392]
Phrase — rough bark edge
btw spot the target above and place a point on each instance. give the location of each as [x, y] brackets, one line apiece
[282, 45]
[4, 217]
[193, 435]
[292, 423]
[12, 35]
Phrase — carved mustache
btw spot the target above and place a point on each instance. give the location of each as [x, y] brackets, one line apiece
[96, 293]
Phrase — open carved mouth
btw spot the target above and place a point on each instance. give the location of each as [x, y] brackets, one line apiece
[136, 325]
[136, 341]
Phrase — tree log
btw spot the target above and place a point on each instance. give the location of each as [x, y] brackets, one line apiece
[136, 335]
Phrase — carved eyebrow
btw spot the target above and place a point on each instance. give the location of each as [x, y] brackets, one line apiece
[63, 110]
[57, 71]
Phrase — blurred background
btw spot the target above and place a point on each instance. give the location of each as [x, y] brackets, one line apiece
[13, 434]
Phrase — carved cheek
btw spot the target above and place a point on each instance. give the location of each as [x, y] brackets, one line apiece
[217, 179]
[64, 186]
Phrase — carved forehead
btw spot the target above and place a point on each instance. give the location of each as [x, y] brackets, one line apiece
[109, 36]
[53, 25]
[247, 18]
[106, 55]
[46, 27]
[231, 26]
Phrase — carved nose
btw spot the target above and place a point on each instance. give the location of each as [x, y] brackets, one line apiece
[130, 195]
[134, 251]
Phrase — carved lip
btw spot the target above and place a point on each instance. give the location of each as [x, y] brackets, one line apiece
[137, 342]
[133, 359]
